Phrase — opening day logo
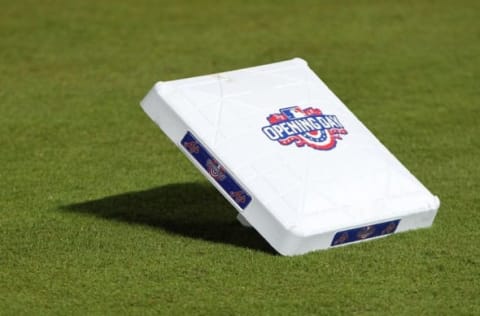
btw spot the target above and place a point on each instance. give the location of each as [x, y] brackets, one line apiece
[307, 126]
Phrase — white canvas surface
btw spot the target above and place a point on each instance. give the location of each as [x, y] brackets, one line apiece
[302, 196]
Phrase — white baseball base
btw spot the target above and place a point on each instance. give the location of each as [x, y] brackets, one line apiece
[297, 165]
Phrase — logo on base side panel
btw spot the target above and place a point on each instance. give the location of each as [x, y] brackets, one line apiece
[365, 232]
[307, 126]
[215, 170]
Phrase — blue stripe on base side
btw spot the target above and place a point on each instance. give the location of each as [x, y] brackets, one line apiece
[216, 170]
[365, 232]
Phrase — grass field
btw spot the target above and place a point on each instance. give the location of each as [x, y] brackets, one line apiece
[101, 214]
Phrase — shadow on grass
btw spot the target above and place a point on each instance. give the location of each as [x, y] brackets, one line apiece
[189, 209]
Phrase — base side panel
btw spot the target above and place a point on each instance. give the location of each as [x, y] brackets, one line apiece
[290, 244]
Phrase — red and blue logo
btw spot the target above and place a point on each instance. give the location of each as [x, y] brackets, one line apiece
[307, 126]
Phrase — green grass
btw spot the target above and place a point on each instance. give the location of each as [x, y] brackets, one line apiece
[101, 214]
